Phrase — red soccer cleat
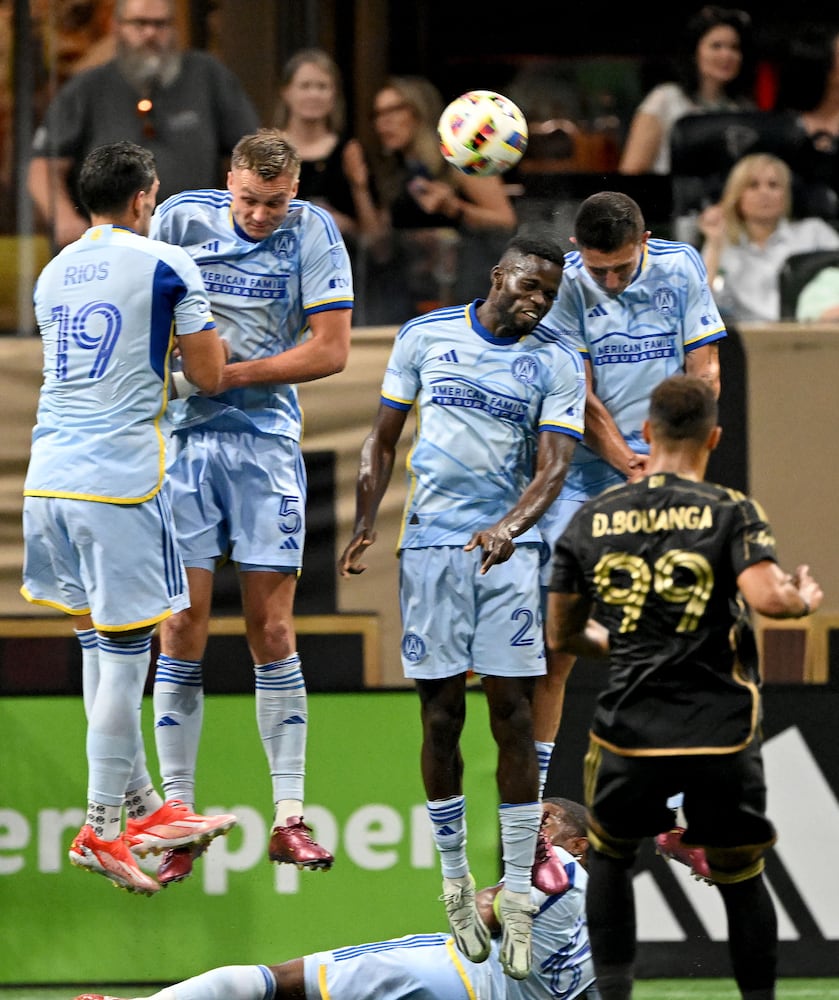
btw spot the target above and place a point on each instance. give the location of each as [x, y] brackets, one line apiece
[293, 845]
[548, 873]
[175, 825]
[669, 845]
[177, 863]
[111, 858]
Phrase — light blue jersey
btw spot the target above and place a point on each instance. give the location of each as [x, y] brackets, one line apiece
[482, 402]
[420, 966]
[105, 307]
[262, 294]
[633, 341]
[429, 967]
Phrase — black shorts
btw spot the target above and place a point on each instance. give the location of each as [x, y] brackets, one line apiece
[724, 796]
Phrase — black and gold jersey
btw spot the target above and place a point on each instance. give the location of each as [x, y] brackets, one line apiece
[660, 560]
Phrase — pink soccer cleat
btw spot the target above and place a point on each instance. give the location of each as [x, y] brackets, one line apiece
[94, 996]
[669, 845]
[177, 863]
[293, 845]
[113, 859]
[548, 873]
[174, 825]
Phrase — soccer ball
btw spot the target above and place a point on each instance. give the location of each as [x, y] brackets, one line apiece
[482, 133]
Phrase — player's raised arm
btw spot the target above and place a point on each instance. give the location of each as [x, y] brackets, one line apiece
[375, 468]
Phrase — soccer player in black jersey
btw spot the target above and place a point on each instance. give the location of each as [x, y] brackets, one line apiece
[659, 576]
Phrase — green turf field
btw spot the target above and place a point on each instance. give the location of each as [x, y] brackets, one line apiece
[724, 989]
[649, 989]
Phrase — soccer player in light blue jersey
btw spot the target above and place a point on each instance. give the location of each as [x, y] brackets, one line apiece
[279, 280]
[636, 310]
[99, 541]
[429, 966]
[500, 408]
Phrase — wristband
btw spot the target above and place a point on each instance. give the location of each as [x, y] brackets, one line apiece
[806, 610]
[182, 387]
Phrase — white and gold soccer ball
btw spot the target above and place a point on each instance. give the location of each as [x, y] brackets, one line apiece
[482, 132]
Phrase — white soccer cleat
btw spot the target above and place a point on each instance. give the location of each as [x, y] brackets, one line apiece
[515, 911]
[471, 935]
[175, 825]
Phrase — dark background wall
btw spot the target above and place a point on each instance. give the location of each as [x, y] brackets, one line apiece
[460, 46]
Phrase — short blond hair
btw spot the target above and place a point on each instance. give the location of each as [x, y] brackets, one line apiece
[266, 153]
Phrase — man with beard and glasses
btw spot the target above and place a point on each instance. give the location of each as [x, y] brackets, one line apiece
[184, 106]
[499, 402]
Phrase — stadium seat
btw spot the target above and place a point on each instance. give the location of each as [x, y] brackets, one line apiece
[704, 148]
[798, 269]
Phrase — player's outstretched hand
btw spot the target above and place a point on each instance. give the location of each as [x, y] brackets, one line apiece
[348, 564]
[809, 589]
[497, 544]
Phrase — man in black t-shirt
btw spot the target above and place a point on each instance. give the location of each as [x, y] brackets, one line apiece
[185, 106]
[659, 575]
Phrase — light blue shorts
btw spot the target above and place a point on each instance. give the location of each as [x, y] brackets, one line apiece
[454, 619]
[588, 476]
[239, 495]
[552, 523]
[118, 562]
[421, 966]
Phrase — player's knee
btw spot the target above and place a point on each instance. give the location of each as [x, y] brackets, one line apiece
[442, 728]
[271, 637]
[289, 977]
[183, 635]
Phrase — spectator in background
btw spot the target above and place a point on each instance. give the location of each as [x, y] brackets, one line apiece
[810, 89]
[186, 107]
[714, 73]
[749, 234]
[427, 208]
[311, 114]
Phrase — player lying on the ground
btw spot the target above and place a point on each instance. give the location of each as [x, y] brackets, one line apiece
[428, 966]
